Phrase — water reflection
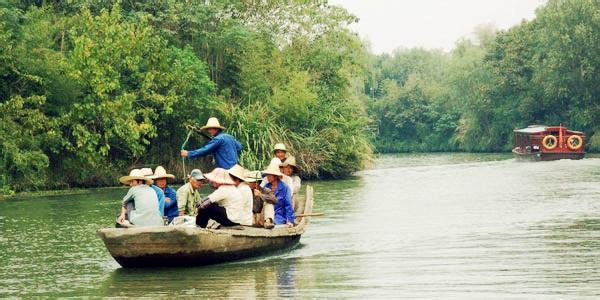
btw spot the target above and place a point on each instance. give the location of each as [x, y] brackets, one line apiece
[264, 279]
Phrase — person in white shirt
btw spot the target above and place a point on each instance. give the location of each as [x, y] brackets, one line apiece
[290, 169]
[224, 205]
[238, 175]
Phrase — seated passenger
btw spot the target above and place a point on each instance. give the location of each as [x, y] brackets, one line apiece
[188, 194]
[225, 205]
[284, 211]
[281, 156]
[140, 205]
[263, 201]
[159, 193]
[238, 174]
[160, 180]
[290, 169]
[280, 152]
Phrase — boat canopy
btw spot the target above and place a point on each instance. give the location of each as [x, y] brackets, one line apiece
[532, 129]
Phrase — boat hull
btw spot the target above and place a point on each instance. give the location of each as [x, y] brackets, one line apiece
[177, 246]
[548, 156]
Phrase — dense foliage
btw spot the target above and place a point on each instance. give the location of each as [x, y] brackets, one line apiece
[91, 88]
[545, 71]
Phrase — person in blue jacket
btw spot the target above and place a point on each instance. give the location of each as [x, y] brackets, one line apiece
[160, 180]
[224, 147]
[284, 211]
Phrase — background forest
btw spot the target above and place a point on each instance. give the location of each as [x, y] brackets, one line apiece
[91, 88]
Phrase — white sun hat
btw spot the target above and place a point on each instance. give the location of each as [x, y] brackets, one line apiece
[134, 174]
[238, 172]
[273, 169]
[280, 146]
[220, 176]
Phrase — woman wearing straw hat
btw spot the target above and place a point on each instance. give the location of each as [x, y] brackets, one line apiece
[290, 169]
[263, 201]
[160, 180]
[224, 205]
[141, 201]
[224, 147]
[238, 174]
[284, 211]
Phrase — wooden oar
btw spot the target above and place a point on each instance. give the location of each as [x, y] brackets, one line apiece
[190, 130]
[315, 214]
[183, 148]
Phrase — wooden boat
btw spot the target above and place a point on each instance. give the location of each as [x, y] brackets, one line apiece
[189, 246]
[539, 142]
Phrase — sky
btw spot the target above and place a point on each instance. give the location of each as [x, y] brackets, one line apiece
[431, 24]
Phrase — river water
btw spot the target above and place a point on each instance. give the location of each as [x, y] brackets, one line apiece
[414, 225]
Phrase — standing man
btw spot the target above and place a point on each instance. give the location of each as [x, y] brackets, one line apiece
[188, 194]
[224, 147]
[160, 180]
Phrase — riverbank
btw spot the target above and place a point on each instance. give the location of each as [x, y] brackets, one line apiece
[382, 159]
[50, 193]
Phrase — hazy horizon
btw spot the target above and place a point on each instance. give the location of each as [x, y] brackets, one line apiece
[431, 24]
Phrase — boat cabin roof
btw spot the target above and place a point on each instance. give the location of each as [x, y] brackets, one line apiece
[533, 129]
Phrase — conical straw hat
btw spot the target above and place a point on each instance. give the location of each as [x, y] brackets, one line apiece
[212, 123]
[160, 172]
[135, 174]
[273, 169]
[220, 176]
[238, 172]
[253, 176]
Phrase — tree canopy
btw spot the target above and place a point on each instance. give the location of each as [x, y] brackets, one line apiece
[91, 88]
[543, 71]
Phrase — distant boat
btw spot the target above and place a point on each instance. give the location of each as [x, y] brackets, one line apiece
[539, 142]
[189, 246]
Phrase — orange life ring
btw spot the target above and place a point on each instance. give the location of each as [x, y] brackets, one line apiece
[550, 142]
[572, 145]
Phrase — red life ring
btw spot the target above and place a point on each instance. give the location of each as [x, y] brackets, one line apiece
[574, 142]
[550, 142]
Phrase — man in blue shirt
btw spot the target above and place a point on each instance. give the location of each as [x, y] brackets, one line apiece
[224, 147]
[284, 212]
[160, 180]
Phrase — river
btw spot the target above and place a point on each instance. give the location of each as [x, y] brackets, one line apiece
[413, 225]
